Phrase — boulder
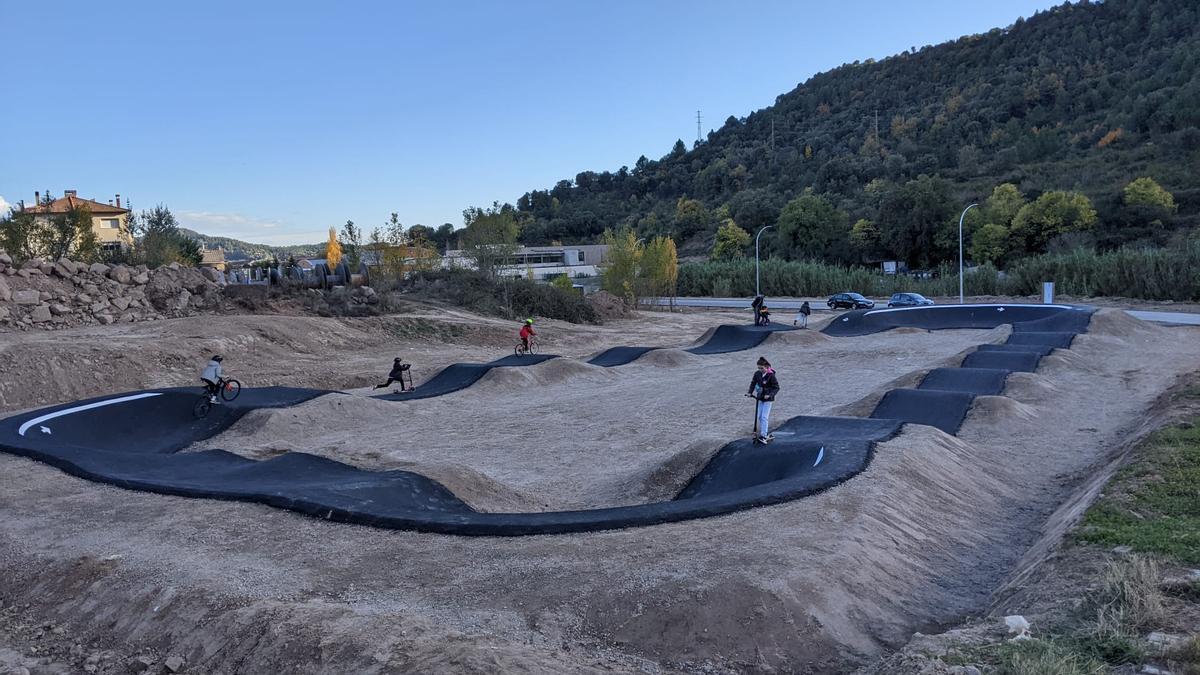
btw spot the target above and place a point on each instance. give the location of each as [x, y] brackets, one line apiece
[182, 300]
[121, 303]
[211, 274]
[29, 297]
[120, 274]
[3, 313]
[59, 309]
[5, 291]
[5, 258]
[40, 313]
[69, 266]
[45, 296]
[32, 264]
[62, 271]
[104, 318]
[100, 306]
[47, 269]
[141, 278]
[99, 269]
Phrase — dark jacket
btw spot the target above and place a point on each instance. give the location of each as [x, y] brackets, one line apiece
[805, 309]
[757, 302]
[398, 368]
[766, 384]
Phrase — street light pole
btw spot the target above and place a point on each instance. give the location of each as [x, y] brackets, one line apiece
[756, 277]
[960, 252]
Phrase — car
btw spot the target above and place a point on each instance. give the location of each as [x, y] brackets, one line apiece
[849, 301]
[909, 300]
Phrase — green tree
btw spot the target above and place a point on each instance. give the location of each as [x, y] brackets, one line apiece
[864, 238]
[620, 275]
[1003, 205]
[731, 242]
[690, 217]
[1145, 192]
[658, 268]
[490, 238]
[351, 240]
[159, 241]
[17, 234]
[989, 244]
[1051, 215]
[562, 282]
[812, 227]
[918, 222]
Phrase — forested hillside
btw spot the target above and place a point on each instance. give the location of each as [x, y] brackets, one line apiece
[236, 249]
[877, 159]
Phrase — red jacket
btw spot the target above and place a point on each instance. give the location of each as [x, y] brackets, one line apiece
[527, 330]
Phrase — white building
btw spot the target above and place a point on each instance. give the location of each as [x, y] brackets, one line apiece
[541, 262]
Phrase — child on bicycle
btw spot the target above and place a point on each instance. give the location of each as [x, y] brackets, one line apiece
[526, 333]
[212, 377]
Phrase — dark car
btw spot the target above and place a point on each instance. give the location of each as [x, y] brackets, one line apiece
[909, 300]
[849, 301]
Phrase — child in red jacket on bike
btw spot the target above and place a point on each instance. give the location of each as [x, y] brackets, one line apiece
[526, 333]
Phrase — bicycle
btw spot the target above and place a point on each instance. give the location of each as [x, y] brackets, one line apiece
[229, 388]
[520, 349]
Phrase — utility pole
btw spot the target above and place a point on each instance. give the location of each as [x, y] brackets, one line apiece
[697, 127]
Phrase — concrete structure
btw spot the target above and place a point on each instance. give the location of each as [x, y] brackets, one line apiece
[541, 262]
[108, 221]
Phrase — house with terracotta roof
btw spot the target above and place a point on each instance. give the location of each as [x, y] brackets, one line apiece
[214, 258]
[108, 220]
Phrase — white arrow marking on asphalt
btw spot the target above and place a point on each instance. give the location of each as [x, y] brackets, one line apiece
[80, 408]
[46, 430]
[819, 456]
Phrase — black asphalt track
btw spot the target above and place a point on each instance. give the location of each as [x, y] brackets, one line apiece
[132, 440]
[941, 317]
[978, 381]
[724, 339]
[458, 376]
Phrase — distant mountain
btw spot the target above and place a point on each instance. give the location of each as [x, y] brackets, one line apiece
[236, 249]
[1084, 97]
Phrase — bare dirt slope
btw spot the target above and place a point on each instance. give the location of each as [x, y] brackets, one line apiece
[919, 539]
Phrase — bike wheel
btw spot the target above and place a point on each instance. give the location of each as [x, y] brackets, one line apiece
[200, 410]
[231, 390]
[517, 350]
[532, 347]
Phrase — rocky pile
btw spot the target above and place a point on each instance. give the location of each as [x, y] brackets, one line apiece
[48, 295]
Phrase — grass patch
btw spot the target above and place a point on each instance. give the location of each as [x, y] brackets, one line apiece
[1153, 505]
[1184, 658]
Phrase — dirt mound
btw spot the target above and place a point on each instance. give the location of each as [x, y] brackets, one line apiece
[1062, 361]
[799, 338]
[665, 481]
[907, 330]
[988, 409]
[480, 491]
[1118, 323]
[1030, 388]
[667, 358]
[545, 373]
[608, 306]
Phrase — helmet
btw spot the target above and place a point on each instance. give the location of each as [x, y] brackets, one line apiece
[218, 358]
[529, 321]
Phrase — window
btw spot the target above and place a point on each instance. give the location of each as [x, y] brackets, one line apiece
[110, 223]
[581, 254]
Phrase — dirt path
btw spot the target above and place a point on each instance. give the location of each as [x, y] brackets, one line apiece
[919, 539]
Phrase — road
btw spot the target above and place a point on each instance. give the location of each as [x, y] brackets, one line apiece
[818, 304]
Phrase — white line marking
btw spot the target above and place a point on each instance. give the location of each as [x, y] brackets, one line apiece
[819, 456]
[68, 411]
[1001, 308]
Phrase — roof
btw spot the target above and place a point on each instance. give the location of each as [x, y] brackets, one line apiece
[212, 255]
[70, 202]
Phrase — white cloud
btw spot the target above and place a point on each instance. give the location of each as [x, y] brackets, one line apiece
[4, 205]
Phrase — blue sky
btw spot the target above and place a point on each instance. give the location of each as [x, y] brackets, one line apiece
[271, 121]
